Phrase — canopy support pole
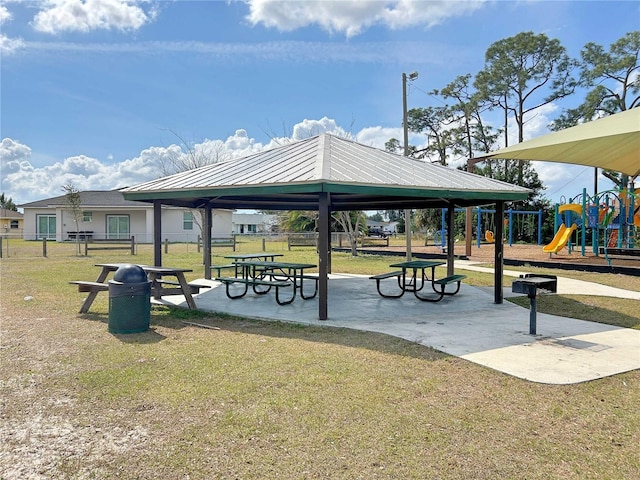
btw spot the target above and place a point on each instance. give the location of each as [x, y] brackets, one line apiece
[450, 238]
[499, 253]
[323, 253]
[157, 233]
[206, 241]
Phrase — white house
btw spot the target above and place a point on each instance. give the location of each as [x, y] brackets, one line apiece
[106, 214]
[244, 223]
[389, 227]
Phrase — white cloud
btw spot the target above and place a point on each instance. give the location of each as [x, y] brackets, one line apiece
[24, 183]
[5, 15]
[87, 15]
[377, 136]
[352, 17]
[310, 128]
[8, 45]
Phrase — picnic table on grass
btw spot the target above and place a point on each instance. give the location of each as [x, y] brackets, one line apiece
[156, 275]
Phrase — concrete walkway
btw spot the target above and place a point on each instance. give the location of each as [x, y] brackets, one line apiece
[468, 325]
[566, 286]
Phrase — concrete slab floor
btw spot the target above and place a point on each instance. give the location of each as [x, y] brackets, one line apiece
[468, 325]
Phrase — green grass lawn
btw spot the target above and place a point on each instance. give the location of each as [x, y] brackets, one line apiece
[255, 400]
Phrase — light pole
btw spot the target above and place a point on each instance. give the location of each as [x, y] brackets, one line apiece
[407, 212]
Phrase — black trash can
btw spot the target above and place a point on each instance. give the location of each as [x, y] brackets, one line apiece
[129, 300]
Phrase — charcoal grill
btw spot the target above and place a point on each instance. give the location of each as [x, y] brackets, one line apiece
[532, 285]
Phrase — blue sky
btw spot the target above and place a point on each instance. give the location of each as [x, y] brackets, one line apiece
[96, 92]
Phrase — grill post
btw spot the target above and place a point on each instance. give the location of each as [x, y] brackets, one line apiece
[530, 284]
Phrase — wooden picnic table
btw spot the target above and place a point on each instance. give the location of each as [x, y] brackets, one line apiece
[155, 274]
[158, 288]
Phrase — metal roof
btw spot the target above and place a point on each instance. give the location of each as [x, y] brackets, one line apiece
[357, 176]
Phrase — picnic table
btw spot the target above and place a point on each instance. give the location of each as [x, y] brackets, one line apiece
[262, 275]
[420, 273]
[159, 287]
[237, 258]
[181, 286]
[264, 256]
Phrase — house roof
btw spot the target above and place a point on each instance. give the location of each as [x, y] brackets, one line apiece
[611, 142]
[252, 218]
[89, 198]
[358, 177]
[6, 213]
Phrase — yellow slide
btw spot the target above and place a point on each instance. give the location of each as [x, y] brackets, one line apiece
[560, 239]
[570, 207]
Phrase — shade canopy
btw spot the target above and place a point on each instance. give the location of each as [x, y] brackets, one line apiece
[611, 142]
[356, 176]
[326, 173]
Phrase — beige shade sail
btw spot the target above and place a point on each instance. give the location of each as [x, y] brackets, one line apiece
[611, 142]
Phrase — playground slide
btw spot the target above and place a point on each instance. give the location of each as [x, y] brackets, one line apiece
[560, 239]
[572, 207]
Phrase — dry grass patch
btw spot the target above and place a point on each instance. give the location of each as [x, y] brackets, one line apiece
[254, 400]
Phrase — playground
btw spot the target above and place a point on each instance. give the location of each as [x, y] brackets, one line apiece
[605, 224]
[602, 230]
[528, 252]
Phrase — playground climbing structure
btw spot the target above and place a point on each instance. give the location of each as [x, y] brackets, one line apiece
[612, 218]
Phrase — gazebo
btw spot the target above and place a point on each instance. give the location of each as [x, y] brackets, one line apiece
[327, 173]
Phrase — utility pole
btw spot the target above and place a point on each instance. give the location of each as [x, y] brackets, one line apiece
[407, 212]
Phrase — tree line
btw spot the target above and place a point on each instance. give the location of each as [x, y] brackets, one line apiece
[521, 74]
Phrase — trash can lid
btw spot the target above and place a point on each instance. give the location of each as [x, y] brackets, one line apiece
[129, 273]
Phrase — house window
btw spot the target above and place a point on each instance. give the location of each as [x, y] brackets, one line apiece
[15, 224]
[87, 216]
[46, 227]
[252, 228]
[118, 226]
[187, 220]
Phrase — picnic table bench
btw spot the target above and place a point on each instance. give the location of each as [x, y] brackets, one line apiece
[159, 287]
[92, 288]
[237, 258]
[417, 280]
[260, 273]
[173, 289]
[218, 268]
[81, 235]
[255, 282]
